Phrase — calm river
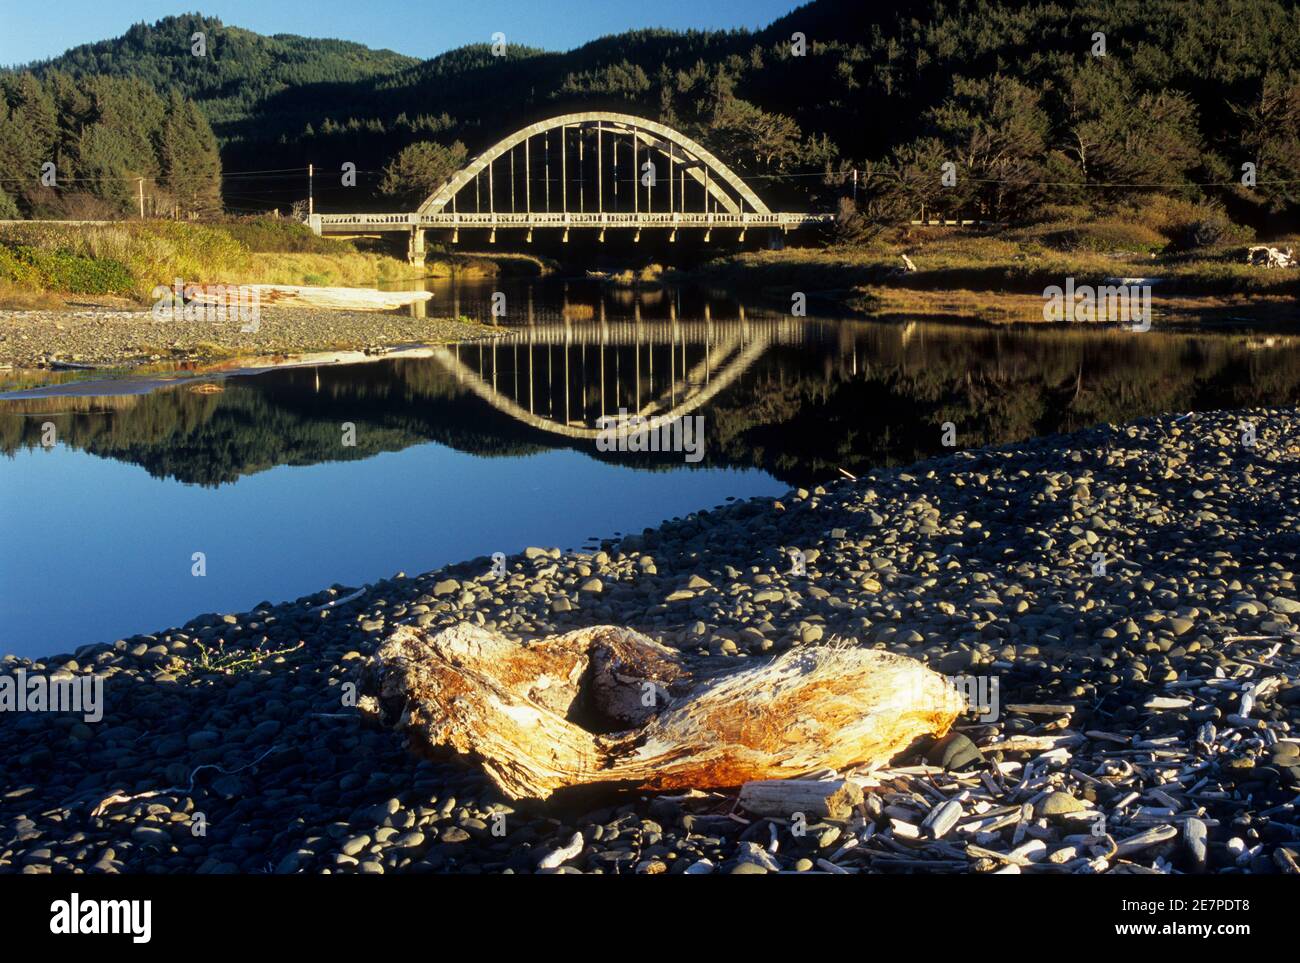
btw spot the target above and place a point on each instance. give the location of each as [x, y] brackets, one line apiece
[489, 447]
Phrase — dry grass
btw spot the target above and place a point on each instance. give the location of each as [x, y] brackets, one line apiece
[159, 252]
[14, 298]
[1024, 260]
[345, 269]
[1002, 307]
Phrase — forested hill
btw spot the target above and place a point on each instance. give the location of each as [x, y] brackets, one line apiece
[238, 71]
[1177, 93]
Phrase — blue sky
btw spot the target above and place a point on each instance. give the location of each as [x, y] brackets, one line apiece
[34, 31]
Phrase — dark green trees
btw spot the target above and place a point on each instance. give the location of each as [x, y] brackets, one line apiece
[111, 140]
[29, 130]
[191, 165]
[418, 170]
[1014, 94]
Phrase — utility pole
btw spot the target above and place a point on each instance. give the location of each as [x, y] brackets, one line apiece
[139, 189]
[855, 187]
[311, 207]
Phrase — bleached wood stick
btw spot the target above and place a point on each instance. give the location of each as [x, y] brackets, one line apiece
[828, 798]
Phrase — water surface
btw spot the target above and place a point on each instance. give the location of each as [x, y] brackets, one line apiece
[489, 447]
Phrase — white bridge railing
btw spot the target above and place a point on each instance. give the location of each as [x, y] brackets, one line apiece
[350, 223]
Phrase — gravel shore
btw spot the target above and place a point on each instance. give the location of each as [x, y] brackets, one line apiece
[1129, 595]
[102, 336]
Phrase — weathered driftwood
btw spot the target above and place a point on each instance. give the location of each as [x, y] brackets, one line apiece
[609, 705]
[310, 296]
[1263, 255]
[815, 798]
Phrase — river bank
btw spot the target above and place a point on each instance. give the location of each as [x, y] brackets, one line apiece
[100, 335]
[46, 263]
[1159, 692]
[1002, 276]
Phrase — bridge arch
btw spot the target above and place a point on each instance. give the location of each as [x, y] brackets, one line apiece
[731, 348]
[685, 156]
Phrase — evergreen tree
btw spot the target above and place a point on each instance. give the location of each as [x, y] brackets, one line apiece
[191, 164]
[28, 134]
[420, 169]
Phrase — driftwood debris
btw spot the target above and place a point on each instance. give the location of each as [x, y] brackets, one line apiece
[609, 705]
[311, 296]
[1264, 256]
[815, 798]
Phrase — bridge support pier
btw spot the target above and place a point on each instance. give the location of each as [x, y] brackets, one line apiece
[776, 240]
[415, 247]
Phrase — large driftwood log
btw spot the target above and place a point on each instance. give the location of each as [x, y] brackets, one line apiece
[609, 705]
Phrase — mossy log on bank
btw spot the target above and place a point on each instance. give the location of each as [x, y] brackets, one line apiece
[609, 705]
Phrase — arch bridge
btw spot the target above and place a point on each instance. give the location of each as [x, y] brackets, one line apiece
[595, 171]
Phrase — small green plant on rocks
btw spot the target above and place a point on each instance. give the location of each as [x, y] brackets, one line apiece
[217, 659]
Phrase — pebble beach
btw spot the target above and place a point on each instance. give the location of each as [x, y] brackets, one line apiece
[99, 336]
[1128, 592]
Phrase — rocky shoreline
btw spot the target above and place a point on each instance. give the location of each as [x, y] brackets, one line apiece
[98, 336]
[1125, 599]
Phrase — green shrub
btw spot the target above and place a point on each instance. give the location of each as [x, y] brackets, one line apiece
[280, 235]
[63, 270]
[1211, 230]
[1189, 224]
[17, 272]
[1063, 213]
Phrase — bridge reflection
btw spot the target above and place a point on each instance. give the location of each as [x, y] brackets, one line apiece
[798, 399]
[564, 377]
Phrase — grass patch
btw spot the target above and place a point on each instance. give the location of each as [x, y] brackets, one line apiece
[132, 257]
[13, 298]
[1105, 237]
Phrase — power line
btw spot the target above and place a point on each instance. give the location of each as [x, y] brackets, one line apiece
[268, 172]
[286, 173]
